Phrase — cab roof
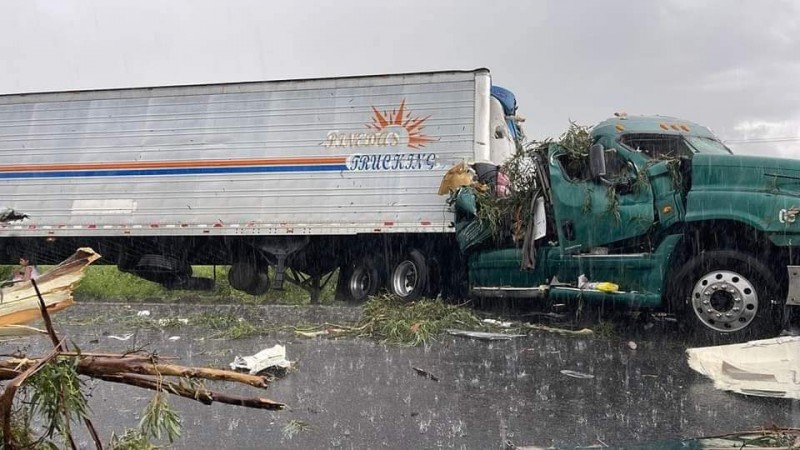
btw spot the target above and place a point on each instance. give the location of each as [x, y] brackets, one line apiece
[624, 124]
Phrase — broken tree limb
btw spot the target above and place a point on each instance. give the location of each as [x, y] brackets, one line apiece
[24, 301]
[48, 324]
[8, 374]
[204, 396]
[92, 366]
[60, 346]
[19, 303]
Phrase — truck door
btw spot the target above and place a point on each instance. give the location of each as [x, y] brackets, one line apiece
[596, 212]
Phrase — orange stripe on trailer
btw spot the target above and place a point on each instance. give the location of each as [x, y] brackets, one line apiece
[175, 164]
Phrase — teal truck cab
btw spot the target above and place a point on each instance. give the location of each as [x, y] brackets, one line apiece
[657, 214]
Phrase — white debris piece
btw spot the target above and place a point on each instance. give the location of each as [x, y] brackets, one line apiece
[163, 322]
[174, 338]
[124, 337]
[766, 368]
[143, 313]
[269, 357]
[485, 336]
[497, 323]
[576, 374]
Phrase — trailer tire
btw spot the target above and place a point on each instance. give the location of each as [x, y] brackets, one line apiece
[726, 296]
[435, 283]
[241, 275]
[259, 285]
[360, 280]
[409, 277]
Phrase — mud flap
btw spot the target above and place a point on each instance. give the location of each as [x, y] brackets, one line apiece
[793, 293]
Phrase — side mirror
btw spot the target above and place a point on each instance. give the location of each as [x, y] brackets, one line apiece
[597, 161]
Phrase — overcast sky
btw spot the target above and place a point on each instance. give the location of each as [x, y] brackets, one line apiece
[733, 65]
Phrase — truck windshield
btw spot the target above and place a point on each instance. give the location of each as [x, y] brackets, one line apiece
[707, 145]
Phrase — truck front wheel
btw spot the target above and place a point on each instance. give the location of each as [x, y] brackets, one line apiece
[728, 293]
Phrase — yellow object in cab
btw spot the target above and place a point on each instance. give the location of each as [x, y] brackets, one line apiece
[605, 286]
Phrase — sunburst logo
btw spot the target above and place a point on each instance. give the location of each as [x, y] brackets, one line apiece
[402, 124]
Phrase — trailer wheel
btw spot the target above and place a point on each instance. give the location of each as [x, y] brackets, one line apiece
[259, 285]
[726, 294]
[241, 275]
[435, 283]
[409, 277]
[360, 280]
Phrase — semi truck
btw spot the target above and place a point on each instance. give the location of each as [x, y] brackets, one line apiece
[653, 213]
[298, 178]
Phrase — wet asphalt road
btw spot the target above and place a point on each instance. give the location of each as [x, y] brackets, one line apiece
[358, 393]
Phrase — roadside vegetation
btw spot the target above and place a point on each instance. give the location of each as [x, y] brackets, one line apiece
[106, 283]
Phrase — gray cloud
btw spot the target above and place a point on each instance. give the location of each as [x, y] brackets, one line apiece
[723, 63]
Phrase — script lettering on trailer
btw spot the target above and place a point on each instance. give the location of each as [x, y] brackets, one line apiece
[388, 130]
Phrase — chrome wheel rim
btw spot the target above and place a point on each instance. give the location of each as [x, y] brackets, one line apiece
[404, 279]
[725, 301]
[360, 283]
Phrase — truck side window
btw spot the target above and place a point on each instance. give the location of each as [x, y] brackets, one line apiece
[576, 168]
[617, 167]
[657, 146]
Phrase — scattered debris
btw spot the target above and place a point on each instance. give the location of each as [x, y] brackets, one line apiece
[579, 375]
[497, 323]
[581, 332]
[143, 313]
[138, 369]
[124, 337]
[10, 215]
[19, 301]
[458, 175]
[165, 322]
[293, 427]
[765, 368]
[773, 438]
[425, 374]
[395, 321]
[602, 286]
[485, 336]
[311, 334]
[273, 357]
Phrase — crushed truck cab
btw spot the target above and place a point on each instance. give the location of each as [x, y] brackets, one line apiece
[661, 208]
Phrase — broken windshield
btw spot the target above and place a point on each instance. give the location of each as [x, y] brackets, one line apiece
[672, 146]
[707, 145]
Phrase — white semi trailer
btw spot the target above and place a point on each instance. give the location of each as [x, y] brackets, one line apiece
[306, 176]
